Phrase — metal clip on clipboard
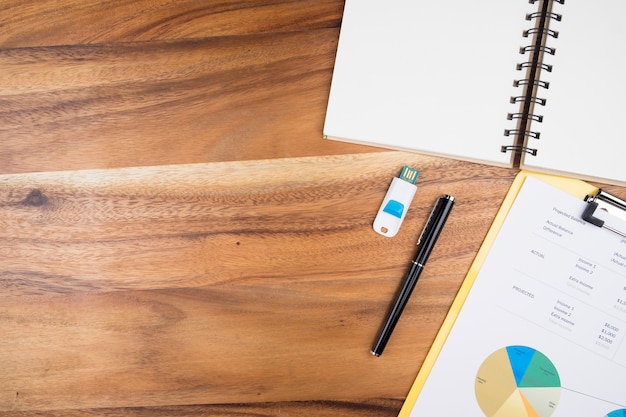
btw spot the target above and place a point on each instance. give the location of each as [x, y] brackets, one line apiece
[606, 210]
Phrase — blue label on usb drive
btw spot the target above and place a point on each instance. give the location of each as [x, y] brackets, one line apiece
[395, 208]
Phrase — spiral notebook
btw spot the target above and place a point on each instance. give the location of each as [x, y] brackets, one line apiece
[535, 85]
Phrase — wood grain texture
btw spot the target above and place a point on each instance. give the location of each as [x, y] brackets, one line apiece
[116, 105]
[28, 23]
[252, 287]
[362, 408]
[223, 283]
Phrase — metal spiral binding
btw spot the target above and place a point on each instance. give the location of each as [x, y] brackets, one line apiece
[522, 132]
[533, 48]
[555, 1]
[538, 83]
[548, 32]
[532, 99]
[543, 66]
[551, 15]
[535, 117]
[531, 83]
[531, 151]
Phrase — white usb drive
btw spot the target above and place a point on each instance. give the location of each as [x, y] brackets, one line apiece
[396, 203]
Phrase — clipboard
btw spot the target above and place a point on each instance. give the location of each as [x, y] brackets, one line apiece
[604, 210]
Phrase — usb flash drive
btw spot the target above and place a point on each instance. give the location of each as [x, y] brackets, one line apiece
[396, 203]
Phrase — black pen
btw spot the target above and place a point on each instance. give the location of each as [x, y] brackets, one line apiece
[426, 243]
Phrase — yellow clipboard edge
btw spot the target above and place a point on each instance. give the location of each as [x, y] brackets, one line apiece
[575, 187]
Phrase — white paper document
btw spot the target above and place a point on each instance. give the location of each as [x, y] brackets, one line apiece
[542, 330]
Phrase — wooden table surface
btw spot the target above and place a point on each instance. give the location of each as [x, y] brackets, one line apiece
[177, 238]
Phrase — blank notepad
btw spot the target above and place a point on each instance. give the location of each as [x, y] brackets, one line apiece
[430, 76]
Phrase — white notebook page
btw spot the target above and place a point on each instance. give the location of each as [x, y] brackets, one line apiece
[582, 133]
[431, 76]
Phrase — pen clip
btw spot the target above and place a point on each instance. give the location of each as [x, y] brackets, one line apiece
[427, 224]
[438, 207]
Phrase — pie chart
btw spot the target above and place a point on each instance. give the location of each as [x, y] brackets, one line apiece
[617, 413]
[518, 381]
